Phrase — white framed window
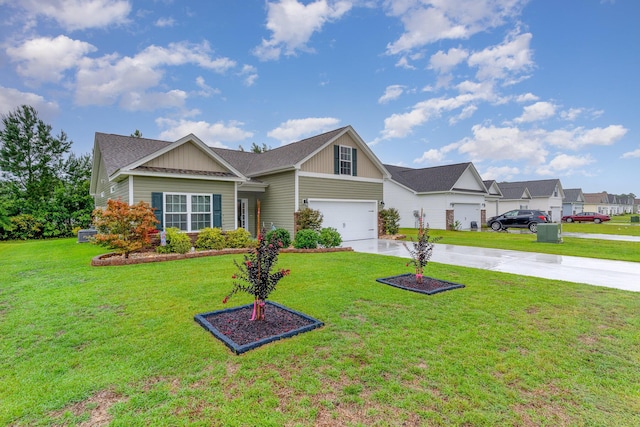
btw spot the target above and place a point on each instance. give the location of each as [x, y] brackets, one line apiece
[345, 160]
[113, 188]
[188, 212]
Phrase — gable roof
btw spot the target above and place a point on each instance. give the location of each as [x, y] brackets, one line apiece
[573, 195]
[514, 192]
[433, 179]
[539, 188]
[492, 187]
[596, 198]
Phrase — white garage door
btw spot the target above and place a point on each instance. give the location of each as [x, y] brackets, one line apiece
[354, 220]
[465, 213]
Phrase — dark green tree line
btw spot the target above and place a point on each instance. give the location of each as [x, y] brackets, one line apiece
[44, 188]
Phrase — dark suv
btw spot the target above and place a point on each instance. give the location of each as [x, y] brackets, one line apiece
[519, 218]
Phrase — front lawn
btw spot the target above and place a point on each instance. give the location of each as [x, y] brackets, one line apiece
[84, 344]
[528, 242]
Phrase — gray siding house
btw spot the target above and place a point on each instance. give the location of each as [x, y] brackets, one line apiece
[192, 185]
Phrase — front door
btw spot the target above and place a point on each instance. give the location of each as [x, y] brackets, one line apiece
[243, 213]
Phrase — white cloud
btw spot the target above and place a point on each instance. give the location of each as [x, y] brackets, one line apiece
[205, 89]
[292, 24]
[104, 80]
[504, 143]
[466, 112]
[250, 74]
[631, 154]
[571, 114]
[580, 137]
[505, 61]
[500, 173]
[527, 97]
[443, 62]
[80, 14]
[165, 22]
[10, 99]
[564, 164]
[149, 101]
[535, 112]
[429, 21]
[435, 156]
[296, 129]
[391, 93]
[45, 59]
[213, 134]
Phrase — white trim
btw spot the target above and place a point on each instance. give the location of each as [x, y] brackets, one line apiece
[235, 196]
[339, 177]
[296, 191]
[189, 212]
[344, 200]
[176, 175]
[131, 202]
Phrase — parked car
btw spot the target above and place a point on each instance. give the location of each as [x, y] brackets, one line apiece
[586, 216]
[519, 218]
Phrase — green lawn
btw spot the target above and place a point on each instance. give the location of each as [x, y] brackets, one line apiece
[82, 344]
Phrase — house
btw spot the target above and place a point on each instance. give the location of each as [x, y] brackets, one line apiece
[545, 195]
[513, 197]
[573, 201]
[493, 197]
[598, 202]
[192, 185]
[444, 194]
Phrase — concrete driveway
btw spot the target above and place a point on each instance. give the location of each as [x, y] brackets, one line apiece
[612, 274]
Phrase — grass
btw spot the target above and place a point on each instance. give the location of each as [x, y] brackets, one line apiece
[526, 241]
[84, 344]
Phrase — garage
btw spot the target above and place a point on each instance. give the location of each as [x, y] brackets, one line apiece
[354, 219]
[465, 213]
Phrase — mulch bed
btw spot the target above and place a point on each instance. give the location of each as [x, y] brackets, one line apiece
[233, 327]
[428, 286]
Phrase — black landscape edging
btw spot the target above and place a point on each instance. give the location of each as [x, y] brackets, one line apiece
[239, 349]
[450, 286]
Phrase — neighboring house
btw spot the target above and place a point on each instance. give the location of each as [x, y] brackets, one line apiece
[192, 185]
[625, 204]
[444, 194]
[513, 197]
[546, 195]
[636, 206]
[573, 201]
[493, 198]
[598, 202]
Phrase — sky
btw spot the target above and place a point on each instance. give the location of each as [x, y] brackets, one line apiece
[525, 90]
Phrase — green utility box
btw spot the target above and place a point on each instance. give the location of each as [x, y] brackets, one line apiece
[635, 218]
[550, 233]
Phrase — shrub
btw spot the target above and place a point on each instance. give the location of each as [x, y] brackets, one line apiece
[280, 235]
[421, 251]
[238, 238]
[308, 218]
[177, 242]
[123, 227]
[306, 239]
[24, 226]
[210, 238]
[329, 238]
[390, 220]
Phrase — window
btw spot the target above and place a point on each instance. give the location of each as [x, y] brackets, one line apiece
[176, 208]
[200, 212]
[345, 160]
[188, 212]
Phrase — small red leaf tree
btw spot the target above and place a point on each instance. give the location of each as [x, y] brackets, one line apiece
[421, 250]
[124, 228]
[254, 274]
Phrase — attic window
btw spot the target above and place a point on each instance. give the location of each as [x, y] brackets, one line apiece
[345, 160]
[113, 188]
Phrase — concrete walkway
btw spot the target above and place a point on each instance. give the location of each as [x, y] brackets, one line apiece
[598, 272]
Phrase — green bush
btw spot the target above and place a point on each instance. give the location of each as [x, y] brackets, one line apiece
[280, 235]
[23, 227]
[390, 220]
[210, 238]
[177, 242]
[329, 238]
[306, 239]
[239, 238]
[308, 218]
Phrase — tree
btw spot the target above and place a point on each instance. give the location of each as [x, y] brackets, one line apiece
[137, 134]
[31, 159]
[255, 148]
[123, 227]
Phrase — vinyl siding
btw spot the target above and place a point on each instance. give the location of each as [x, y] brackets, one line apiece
[144, 186]
[277, 203]
[320, 188]
[187, 157]
[323, 161]
[104, 186]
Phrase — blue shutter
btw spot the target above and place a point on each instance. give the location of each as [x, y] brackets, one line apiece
[354, 162]
[336, 159]
[217, 210]
[156, 204]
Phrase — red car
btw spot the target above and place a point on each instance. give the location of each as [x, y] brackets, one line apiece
[586, 216]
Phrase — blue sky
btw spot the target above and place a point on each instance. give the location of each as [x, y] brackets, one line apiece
[523, 89]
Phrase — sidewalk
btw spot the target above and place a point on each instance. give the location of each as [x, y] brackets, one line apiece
[598, 272]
